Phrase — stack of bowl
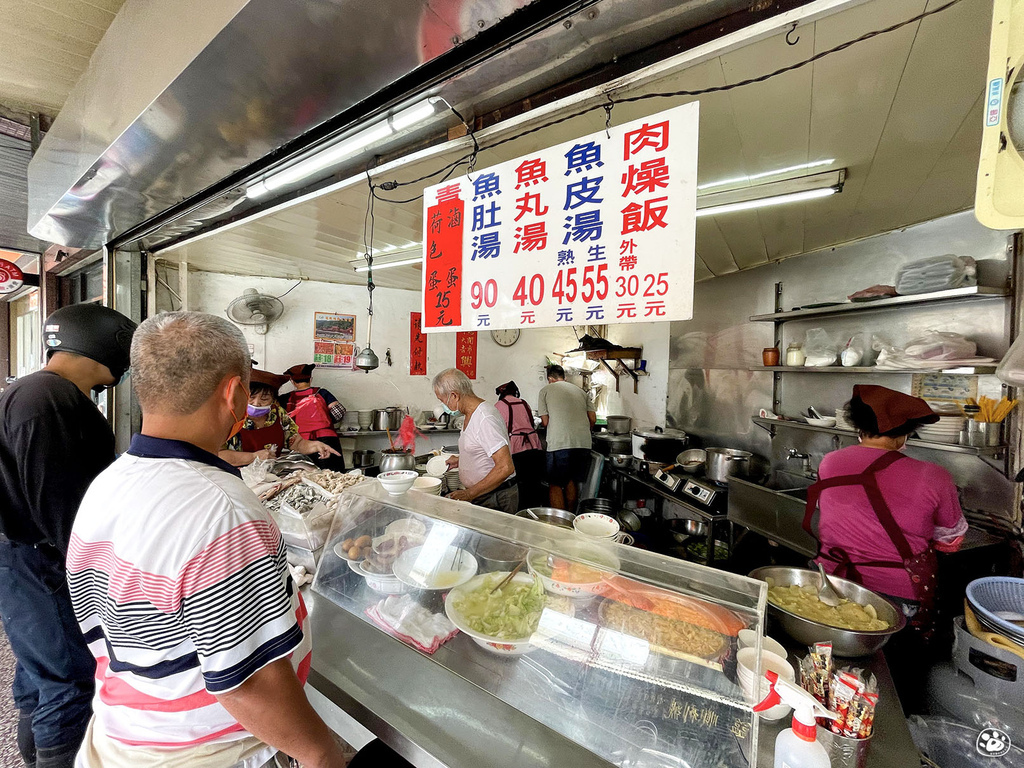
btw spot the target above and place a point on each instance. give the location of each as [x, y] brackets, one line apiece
[746, 664]
[431, 485]
[946, 430]
[452, 481]
[365, 419]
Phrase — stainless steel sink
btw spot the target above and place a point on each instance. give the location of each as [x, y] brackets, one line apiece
[774, 509]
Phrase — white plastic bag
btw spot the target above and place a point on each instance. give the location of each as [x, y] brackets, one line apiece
[820, 350]
[935, 273]
[254, 474]
[941, 345]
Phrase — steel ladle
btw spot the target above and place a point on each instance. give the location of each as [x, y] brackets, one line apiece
[826, 592]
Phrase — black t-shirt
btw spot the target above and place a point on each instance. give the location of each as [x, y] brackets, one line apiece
[53, 444]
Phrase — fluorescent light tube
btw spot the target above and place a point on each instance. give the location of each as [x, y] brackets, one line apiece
[765, 175]
[389, 264]
[335, 153]
[417, 113]
[764, 202]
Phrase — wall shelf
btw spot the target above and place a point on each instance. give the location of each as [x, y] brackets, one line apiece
[959, 294]
[993, 451]
[618, 355]
[966, 370]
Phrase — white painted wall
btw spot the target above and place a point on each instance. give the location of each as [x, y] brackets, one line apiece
[647, 406]
[290, 341]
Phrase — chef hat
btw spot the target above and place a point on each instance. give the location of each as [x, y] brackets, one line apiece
[301, 372]
[267, 379]
[893, 411]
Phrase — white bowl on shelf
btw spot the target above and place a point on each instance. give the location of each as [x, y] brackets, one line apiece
[384, 583]
[827, 422]
[398, 481]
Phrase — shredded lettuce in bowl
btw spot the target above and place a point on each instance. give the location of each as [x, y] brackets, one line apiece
[511, 613]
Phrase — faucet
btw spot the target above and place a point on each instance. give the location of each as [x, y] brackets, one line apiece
[805, 462]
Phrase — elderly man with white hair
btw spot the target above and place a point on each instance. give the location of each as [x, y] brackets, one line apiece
[484, 461]
[179, 580]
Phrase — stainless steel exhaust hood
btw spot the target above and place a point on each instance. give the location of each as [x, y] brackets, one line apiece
[185, 99]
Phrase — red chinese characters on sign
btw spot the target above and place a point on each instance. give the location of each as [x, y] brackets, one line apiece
[442, 295]
[417, 346]
[11, 277]
[465, 352]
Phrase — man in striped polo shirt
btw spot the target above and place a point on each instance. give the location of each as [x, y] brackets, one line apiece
[179, 580]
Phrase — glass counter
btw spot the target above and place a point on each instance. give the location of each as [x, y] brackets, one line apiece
[627, 653]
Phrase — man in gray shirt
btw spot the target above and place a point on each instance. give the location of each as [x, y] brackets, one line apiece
[568, 414]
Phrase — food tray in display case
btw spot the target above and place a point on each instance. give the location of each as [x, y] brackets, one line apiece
[630, 654]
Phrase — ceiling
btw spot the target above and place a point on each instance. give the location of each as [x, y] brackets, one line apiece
[902, 112]
[46, 45]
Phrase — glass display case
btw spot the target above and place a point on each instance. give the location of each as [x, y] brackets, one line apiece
[630, 654]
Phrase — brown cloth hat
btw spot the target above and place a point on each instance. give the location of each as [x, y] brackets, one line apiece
[301, 372]
[893, 409]
[268, 379]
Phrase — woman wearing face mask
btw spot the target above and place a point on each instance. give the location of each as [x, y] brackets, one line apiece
[884, 514]
[268, 430]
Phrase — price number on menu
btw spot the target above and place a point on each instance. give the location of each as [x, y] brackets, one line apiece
[588, 285]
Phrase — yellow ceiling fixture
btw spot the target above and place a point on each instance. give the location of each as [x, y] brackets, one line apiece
[999, 197]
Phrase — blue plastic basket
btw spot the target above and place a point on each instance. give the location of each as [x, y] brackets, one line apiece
[998, 593]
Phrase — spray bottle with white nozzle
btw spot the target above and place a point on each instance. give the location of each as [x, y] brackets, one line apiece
[797, 747]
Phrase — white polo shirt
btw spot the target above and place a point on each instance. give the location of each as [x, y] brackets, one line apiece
[180, 584]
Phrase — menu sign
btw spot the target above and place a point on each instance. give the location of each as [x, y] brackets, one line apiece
[597, 230]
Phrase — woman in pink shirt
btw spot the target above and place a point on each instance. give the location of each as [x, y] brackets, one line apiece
[884, 514]
[524, 442]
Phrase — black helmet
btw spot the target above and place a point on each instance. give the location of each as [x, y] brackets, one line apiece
[92, 331]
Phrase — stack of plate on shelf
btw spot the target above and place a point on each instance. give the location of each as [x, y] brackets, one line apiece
[946, 430]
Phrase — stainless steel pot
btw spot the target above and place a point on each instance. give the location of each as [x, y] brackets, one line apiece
[691, 461]
[608, 444]
[845, 642]
[363, 458]
[619, 425]
[620, 460]
[722, 463]
[390, 460]
[557, 517]
[658, 445]
[387, 418]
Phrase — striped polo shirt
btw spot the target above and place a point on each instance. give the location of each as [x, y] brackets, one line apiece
[180, 584]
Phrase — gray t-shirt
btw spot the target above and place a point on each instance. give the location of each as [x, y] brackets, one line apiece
[566, 407]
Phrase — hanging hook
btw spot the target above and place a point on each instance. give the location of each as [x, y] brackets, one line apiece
[791, 31]
[608, 115]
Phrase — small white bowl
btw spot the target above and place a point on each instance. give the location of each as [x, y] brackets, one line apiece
[746, 660]
[399, 481]
[827, 422]
[748, 637]
[385, 583]
[596, 525]
[433, 570]
[430, 485]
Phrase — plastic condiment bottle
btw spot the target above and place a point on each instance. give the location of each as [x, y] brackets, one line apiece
[797, 746]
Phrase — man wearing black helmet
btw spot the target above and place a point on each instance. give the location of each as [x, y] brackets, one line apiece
[53, 444]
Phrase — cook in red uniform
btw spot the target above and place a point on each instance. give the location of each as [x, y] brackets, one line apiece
[315, 411]
[268, 431]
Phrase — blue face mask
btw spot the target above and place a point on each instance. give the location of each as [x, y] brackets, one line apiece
[448, 410]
